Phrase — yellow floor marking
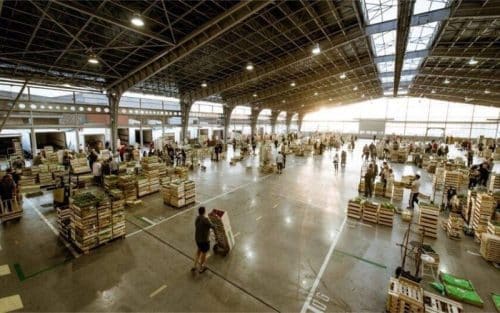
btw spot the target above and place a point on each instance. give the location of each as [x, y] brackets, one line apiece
[4, 270]
[258, 218]
[157, 291]
[11, 303]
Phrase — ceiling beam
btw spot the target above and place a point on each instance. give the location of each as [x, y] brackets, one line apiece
[19, 94]
[300, 84]
[456, 96]
[477, 10]
[444, 73]
[259, 73]
[408, 55]
[405, 11]
[111, 20]
[192, 42]
[468, 90]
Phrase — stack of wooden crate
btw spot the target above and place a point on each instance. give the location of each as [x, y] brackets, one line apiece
[80, 166]
[118, 218]
[110, 182]
[63, 216]
[104, 221]
[355, 208]
[177, 195]
[370, 211]
[189, 192]
[165, 190]
[483, 209]
[182, 172]
[404, 296]
[386, 214]
[127, 184]
[438, 179]
[27, 182]
[379, 189]
[452, 179]
[490, 247]
[361, 186]
[454, 226]
[493, 228]
[468, 209]
[431, 167]
[397, 191]
[84, 228]
[429, 219]
[494, 182]
[45, 176]
[18, 149]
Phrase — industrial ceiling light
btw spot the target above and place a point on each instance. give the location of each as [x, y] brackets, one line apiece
[343, 76]
[330, 99]
[487, 91]
[363, 95]
[255, 95]
[93, 59]
[249, 66]
[316, 50]
[355, 88]
[446, 81]
[473, 61]
[204, 84]
[302, 105]
[137, 20]
[293, 84]
[316, 93]
[283, 101]
[433, 91]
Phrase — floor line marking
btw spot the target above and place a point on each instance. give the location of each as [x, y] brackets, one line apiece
[276, 205]
[54, 230]
[157, 291]
[4, 270]
[360, 258]
[236, 235]
[11, 303]
[473, 253]
[198, 204]
[258, 218]
[148, 220]
[307, 303]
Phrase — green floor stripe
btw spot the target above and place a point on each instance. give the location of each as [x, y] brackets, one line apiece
[23, 277]
[360, 258]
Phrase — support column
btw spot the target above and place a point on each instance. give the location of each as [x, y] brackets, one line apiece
[33, 141]
[186, 104]
[253, 122]
[77, 133]
[289, 116]
[300, 120]
[274, 118]
[226, 111]
[114, 102]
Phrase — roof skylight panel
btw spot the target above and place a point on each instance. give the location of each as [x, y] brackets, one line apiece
[377, 11]
[384, 43]
[422, 6]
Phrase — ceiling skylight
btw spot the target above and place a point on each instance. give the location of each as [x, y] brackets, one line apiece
[389, 79]
[384, 43]
[411, 64]
[384, 67]
[406, 78]
[420, 37]
[377, 11]
[422, 6]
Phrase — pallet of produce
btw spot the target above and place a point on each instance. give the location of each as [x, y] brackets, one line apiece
[434, 303]
[166, 194]
[494, 183]
[404, 296]
[177, 194]
[110, 182]
[63, 216]
[127, 184]
[189, 192]
[379, 189]
[361, 186]
[84, 226]
[454, 226]
[397, 192]
[386, 214]
[118, 218]
[483, 209]
[490, 247]
[428, 219]
[370, 211]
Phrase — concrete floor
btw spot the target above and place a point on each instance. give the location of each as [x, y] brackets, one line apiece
[295, 249]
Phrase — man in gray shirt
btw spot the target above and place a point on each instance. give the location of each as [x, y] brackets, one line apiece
[203, 226]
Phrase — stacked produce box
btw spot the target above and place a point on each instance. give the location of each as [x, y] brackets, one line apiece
[355, 208]
[64, 222]
[110, 182]
[429, 219]
[127, 184]
[490, 247]
[79, 166]
[454, 226]
[84, 228]
[27, 182]
[467, 210]
[104, 221]
[370, 211]
[438, 180]
[182, 172]
[404, 296]
[483, 209]
[452, 179]
[494, 182]
[45, 176]
[386, 214]
[150, 169]
[397, 191]
[118, 218]
[379, 189]
[18, 150]
[189, 192]
[494, 228]
[177, 194]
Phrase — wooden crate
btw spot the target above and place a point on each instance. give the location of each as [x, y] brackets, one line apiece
[454, 226]
[370, 212]
[490, 247]
[404, 296]
[428, 220]
[434, 303]
[354, 209]
[385, 216]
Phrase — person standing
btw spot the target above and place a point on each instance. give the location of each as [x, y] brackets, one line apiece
[415, 190]
[366, 152]
[8, 190]
[97, 172]
[202, 232]
[369, 181]
[336, 163]
[279, 162]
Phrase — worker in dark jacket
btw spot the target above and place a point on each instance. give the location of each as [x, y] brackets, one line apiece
[202, 233]
[369, 176]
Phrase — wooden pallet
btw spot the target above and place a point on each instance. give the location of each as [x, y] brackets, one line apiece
[490, 247]
[434, 303]
[404, 296]
[354, 210]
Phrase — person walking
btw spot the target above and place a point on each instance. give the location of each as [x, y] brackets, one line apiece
[279, 162]
[366, 152]
[415, 190]
[202, 232]
[343, 157]
[369, 181]
[336, 163]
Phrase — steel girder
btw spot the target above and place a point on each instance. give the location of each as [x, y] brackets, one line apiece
[191, 43]
[405, 11]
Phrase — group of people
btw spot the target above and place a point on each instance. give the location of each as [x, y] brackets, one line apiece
[480, 173]
[386, 175]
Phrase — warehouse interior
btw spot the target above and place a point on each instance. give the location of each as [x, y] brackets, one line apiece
[345, 154]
